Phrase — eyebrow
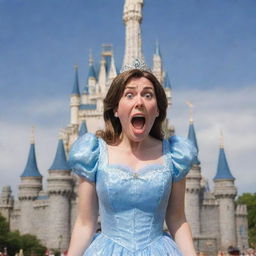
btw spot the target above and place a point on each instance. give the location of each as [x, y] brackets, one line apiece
[134, 87]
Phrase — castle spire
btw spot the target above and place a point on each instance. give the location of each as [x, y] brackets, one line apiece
[60, 161]
[223, 171]
[192, 133]
[157, 49]
[91, 73]
[83, 128]
[132, 17]
[167, 83]
[76, 82]
[31, 169]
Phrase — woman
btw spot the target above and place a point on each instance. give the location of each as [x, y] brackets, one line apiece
[133, 176]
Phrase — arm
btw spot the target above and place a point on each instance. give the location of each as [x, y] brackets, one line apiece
[176, 219]
[86, 222]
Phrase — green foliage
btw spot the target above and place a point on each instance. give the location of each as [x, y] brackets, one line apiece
[13, 241]
[249, 199]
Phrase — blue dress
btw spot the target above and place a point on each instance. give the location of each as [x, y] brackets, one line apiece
[132, 204]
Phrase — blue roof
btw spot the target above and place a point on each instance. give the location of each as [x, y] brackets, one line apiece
[31, 169]
[60, 161]
[223, 171]
[167, 83]
[87, 106]
[157, 49]
[192, 138]
[76, 83]
[91, 72]
[83, 129]
[108, 63]
[86, 89]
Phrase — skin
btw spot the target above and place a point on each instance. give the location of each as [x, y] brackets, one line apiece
[135, 149]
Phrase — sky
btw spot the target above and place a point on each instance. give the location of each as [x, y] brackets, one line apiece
[208, 49]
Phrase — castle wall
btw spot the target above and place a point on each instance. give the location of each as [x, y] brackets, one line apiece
[41, 213]
[26, 217]
[242, 227]
[210, 221]
[15, 217]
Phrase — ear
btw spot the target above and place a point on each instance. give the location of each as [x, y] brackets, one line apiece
[157, 113]
[115, 112]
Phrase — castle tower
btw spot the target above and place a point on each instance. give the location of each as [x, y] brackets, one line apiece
[29, 188]
[91, 78]
[132, 17]
[225, 192]
[157, 64]
[193, 180]
[102, 76]
[112, 71]
[75, 100]
[242, 227]
[6, 202]
[60, 184]
[168, 88]
[83, 128]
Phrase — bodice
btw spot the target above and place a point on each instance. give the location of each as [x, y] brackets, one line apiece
[132, 203]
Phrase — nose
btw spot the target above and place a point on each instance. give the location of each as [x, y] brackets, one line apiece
[139, 102]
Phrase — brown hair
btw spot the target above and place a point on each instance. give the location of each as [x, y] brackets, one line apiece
[113, 127]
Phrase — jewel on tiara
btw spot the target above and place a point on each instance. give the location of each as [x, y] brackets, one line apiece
[136, 64]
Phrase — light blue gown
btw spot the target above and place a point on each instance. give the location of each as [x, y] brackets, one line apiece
[132, 204]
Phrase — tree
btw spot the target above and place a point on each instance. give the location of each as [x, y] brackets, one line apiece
[249, 200]
[13, 241]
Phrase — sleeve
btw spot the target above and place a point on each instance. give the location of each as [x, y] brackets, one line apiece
[183, 154]
[84, 156]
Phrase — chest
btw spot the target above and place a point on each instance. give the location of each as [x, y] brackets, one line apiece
[119, 188]
[135, 161]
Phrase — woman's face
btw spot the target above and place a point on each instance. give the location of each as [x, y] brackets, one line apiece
[137, 108]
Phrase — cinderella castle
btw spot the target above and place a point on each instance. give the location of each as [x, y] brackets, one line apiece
[50, 212]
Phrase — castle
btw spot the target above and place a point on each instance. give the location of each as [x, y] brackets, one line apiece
[49, 213]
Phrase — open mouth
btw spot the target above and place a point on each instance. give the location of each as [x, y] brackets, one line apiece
[138, 122]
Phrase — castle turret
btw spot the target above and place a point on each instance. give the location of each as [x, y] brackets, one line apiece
[168, 88]
[225, 192]
[193, 180]
[102, 80]
[83, 128]
[157, 64]
[75, 100]
[91, 78]
[29, 188]
[60, 184]
[6, 202]
[132, 17]
[112, 70]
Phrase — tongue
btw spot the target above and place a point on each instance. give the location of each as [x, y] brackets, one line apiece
[138, 122]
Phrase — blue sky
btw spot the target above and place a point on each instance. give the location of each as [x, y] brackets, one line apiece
[208, 49]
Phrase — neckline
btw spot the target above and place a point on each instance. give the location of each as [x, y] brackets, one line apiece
[105, 156]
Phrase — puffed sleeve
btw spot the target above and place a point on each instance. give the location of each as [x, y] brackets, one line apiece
[84, 156]
[183, 154]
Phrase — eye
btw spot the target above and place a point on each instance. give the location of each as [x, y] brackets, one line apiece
[148, 95]
[129, 95]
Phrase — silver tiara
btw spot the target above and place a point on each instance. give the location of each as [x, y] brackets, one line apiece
[136, 64]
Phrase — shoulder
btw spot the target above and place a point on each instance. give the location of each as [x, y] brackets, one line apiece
[84, 156]
[182, 153]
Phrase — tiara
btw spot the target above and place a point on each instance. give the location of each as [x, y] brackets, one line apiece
[136, 64]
